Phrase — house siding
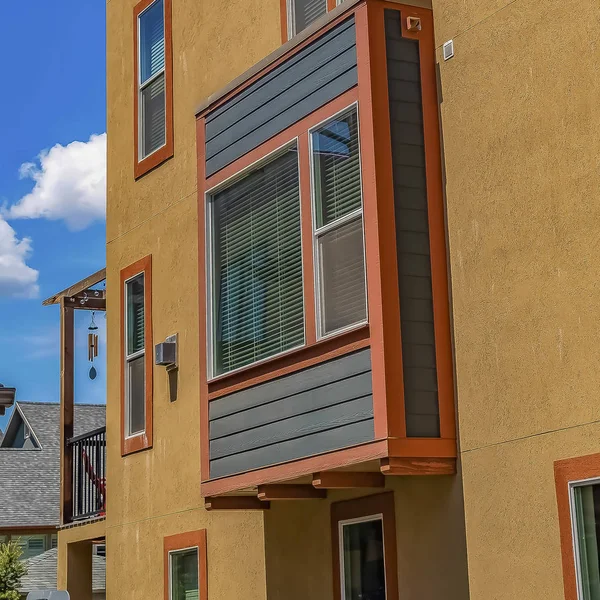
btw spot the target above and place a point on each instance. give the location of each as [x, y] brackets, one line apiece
[314, 76]
[319, 409]
[412, 232]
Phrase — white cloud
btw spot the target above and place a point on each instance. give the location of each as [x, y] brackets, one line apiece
[70, 184]
[17, 280]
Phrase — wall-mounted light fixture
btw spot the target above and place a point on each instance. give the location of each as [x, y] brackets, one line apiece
[165, 353]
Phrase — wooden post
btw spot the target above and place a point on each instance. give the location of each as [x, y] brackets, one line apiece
[67, 322]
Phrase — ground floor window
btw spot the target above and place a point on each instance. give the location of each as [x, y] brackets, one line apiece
[364, 546]
[586, 520]
[185, 566]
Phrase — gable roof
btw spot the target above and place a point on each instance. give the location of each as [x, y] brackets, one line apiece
[42, 572]
[30, 478]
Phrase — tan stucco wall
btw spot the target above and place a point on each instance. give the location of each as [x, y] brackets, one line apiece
[430, 542]
[521, 140]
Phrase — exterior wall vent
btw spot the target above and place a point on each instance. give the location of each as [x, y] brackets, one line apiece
[448, 49]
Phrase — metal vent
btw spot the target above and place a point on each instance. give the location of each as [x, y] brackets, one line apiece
[448, 49]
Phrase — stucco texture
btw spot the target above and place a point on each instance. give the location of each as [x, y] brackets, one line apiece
[521, 143]
[430, 542]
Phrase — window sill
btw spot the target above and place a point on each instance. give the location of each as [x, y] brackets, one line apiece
[135, 443]
[289, 362]
[157, 158]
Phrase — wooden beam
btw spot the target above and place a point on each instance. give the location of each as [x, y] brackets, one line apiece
[235, 503]
[90, 304]
[289, 492]
[344, 480]
[67, 342]
[418, 466]
[74, 289]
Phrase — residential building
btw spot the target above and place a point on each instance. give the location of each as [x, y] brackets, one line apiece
[329, 226]
[30, 489]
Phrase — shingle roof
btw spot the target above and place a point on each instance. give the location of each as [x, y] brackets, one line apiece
[42, 570]
[30, 479]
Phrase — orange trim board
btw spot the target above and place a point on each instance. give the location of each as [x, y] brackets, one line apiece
[182, 541]
[566, 471]
[141, 167]
[142, 441]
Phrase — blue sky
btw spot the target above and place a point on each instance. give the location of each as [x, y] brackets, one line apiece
[51, 222]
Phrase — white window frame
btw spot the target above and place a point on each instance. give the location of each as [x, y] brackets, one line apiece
[131, 357]
[142, 85]
[291, 16]
[179, 551]
[210, 283]
[574, 530]
[341, 525]
[320, 231]
[26, 432]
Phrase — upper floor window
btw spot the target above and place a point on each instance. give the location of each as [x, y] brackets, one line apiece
[134, 357]
[257, 302]
[153, 84]
[258, 257]
[136, 398]
[301, 13]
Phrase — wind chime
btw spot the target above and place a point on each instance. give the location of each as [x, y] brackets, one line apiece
[92, 347]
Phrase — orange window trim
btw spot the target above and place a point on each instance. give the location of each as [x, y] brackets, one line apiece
[142, 441]
[141, 167]
[183, 541]
[566, 471]
[378, 504]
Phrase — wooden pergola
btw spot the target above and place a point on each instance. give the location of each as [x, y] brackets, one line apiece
[79, 296]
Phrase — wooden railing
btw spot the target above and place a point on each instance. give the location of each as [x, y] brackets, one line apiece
[88, 454]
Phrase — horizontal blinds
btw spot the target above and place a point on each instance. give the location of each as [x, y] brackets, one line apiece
[336, 160]
[135, 314]
[153, 115]
[307, 11]
[152, 41]
[257, 265]
[343, 300]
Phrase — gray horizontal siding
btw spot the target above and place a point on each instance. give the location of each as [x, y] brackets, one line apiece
[300, 85]
[319, 409]
[412, 232]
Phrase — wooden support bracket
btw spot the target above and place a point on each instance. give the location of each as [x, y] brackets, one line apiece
[418, 466]
[343, 480]
[289, 492]
[235, 503]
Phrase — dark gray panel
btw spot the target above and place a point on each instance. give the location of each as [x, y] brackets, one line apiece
[412, 232]
[304, 425]
[301, 403]
[319, 409]
[334, 370]
[325, 441]
[309, 79]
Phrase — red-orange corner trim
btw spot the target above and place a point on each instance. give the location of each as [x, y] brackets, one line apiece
[566, 471]
[378, 504]
[141, 167]
[182, 541]
[142, 441]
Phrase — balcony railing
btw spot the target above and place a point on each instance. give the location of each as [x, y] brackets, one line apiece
[89, 474]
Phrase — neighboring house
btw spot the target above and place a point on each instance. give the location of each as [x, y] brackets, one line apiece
[351, 223]
[42, 569]
[30, 473]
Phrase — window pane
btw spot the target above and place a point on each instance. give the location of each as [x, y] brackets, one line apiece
[184, 575]
[152, 41]
[363, 561]
[136, 396]
[587, 512]
[135, 314]
[336, 163]
[307, 11]
[153, 113]
[258, 307]
[342, 277]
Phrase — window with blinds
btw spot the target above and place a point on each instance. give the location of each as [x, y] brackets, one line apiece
[301, 13]
[256, 265]
[337, 188]
[184, 575]
[151, 56]
[135, 399]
